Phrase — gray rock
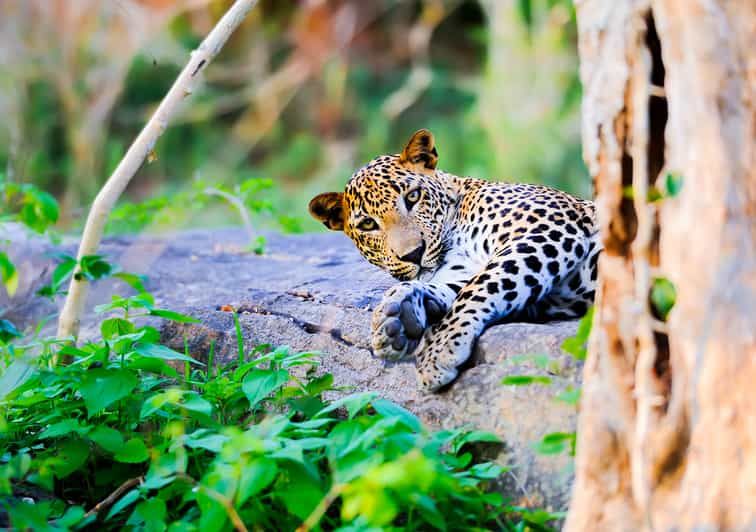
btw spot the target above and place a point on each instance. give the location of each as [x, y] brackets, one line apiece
[31, 254]
[314, 292]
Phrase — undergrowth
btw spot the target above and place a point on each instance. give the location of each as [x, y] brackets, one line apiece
[134, 434]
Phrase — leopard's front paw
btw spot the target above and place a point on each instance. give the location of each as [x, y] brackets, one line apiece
[441, 352]
[401, 319]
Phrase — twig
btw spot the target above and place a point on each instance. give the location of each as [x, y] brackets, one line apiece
[221, 499]
[111, 499]
[317, 514]
[70, 316]
[239, 204]
[421, 76]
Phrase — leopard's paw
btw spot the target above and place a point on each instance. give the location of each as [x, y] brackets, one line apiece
[441, 352]
[401, 319]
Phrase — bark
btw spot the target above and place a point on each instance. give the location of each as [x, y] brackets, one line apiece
[667, 429]
[70, 316]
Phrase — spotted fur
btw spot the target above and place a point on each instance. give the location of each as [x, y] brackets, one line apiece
[468, 252]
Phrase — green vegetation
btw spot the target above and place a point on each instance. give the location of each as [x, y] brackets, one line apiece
[126, 432]
[502, 98]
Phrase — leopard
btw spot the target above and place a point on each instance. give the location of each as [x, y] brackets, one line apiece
[467, 253]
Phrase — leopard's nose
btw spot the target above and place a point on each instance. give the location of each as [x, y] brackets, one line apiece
[415, 256]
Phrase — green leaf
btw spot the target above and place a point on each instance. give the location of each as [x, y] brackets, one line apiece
[193, 402]
[298, 489]
[109, 439]
[522, 380]
[255, 477]
[205, 439]
[555, 443]
[570, 395]
[389, 409]
[260, 383]
[525, 10]
[353, 403]
[320, 384]
[102, 387]
[173, 316]
[61, 274]
[474, 436]
[123, 503]
[663, 296]
[9, 274]
[164, 353]
[39, 210]
[150, 513]
[94, 267]
[8, 331]
[673, 184]
[133, 280]
[133, 451]
[488, 470]
[60, 429]
[72, 516]
[114, 327]
[576, 345]
[15, 375]
[70, 456]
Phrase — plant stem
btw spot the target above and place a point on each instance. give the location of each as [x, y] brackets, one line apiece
[239, 204]
[111, 499]
[70, 317]
[317, 514]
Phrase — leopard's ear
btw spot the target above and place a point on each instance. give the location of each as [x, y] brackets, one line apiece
[420, 152]
[329, 209]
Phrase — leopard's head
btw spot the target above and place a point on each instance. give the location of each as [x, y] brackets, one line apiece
[395, 209]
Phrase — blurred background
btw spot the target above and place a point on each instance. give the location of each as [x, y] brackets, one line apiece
[303, 94]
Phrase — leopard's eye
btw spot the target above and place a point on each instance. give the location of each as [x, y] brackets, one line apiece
[412, 197]
[368, 224]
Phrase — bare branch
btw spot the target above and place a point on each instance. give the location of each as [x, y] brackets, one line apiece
[70, 317]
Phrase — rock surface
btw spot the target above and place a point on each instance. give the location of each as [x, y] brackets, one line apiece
[314, 292]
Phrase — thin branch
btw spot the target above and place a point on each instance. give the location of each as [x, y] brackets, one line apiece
[111, 499]
[221, 499]
[239, 204]
[317, 514]
[421, 75]
[70, 316]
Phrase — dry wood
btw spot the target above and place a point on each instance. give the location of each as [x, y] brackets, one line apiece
[111, 499]
[70, 316]
[666, 430]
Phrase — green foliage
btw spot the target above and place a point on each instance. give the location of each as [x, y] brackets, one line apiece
[577, 345]
[663, 296]
[556, 443]
[673, 184]
[27, 204]
[8, 274]
[254, 441]
[522, 380]
[254, 195]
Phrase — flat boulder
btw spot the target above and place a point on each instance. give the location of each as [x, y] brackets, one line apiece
[315, 293]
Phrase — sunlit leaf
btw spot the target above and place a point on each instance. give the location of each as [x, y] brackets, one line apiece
[102, 387]
[260, 383]
[9, 274]
[663, 296]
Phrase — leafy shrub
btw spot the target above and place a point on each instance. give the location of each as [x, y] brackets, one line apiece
[147, 437]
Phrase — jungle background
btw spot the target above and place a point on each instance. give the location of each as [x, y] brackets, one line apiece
[303, 94]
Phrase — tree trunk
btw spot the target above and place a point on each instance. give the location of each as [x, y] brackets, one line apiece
[667, 428]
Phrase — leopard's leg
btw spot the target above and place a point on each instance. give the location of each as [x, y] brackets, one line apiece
[516, 276]
[406, 311]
